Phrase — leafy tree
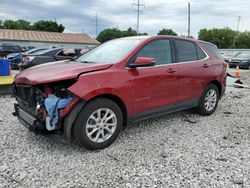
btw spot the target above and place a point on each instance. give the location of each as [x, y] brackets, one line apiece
[16, 24]
[108, 34]
[167, 32]
[242, 40]
[129, 32]
[45, 25]
[42, 25]
[1, 24]
[223, 38]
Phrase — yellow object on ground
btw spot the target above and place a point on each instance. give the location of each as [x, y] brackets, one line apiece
[6, 80]
[6, 84]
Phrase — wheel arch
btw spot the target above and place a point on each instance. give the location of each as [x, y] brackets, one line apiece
[70, 119]
[218, 85]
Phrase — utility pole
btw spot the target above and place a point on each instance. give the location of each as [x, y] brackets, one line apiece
[239, 17]
[138, 9]
[237, 29]
[96, 25]
[188, 19]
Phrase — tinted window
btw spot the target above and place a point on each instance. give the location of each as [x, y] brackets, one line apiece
[200, 53]
[51, 52]
[186, 51]
[213, 49]
[159, 49]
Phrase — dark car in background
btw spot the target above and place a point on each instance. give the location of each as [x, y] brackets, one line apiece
[14, 59]
[17, 58]
[6, 49]
[48, 55]
[27, 48]
[243, 60]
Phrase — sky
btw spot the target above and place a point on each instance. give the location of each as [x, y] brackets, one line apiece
[80, 15]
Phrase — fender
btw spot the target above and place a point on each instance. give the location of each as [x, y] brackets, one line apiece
[70, 120]
[115, 82]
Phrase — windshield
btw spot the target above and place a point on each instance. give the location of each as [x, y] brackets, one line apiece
[243, 56]
[112, 51]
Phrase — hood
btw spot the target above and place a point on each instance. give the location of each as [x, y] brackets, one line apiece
[56, 71]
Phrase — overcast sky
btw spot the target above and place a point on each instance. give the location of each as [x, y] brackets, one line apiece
[79, 15]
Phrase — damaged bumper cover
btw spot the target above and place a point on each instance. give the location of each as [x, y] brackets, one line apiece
[28, 120]
[56, 111]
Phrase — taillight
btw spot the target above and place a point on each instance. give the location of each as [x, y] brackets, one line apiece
[225, 65]
[27, 58]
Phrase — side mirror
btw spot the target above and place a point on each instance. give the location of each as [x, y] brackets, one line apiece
[142, 62]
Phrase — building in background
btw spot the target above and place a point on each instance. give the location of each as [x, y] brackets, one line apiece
[40, 39]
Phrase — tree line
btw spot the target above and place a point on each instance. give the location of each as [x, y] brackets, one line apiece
[113, 33]
[41, 25]
[223, 38]
[226, 37]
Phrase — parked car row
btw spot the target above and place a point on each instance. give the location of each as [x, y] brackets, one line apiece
[237, 59]
[48, 55]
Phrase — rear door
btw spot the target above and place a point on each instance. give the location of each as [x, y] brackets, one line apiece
[156, 86]
[194, 68]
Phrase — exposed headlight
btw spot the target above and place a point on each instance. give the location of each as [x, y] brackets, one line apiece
[245, 61]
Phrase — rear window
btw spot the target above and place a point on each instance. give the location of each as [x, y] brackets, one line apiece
[188, 51]
[213, 49]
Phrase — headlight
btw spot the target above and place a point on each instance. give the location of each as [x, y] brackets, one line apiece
[245, 61]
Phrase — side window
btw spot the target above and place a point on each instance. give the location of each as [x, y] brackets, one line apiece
[213, 49]
[200, 53]
[61, 53]
[159, 49]
[186, 50]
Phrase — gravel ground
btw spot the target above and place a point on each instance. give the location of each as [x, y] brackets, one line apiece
[177, 150]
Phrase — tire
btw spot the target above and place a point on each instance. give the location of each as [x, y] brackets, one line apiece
[230, 66]
[91, 121]
[211, 92]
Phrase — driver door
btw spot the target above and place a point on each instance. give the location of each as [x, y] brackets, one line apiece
[154, 87]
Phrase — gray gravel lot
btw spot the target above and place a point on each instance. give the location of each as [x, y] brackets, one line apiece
[177, 150]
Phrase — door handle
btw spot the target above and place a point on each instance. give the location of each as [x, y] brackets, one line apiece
[171, 70]
[205, 65]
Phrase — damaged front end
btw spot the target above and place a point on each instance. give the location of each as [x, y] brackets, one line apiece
[44, 107]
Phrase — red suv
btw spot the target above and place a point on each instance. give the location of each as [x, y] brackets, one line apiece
[119, 82]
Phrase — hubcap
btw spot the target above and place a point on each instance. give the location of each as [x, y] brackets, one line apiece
[101, 125]
[210, 100]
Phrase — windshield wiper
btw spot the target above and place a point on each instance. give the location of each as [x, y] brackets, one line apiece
[87, 62]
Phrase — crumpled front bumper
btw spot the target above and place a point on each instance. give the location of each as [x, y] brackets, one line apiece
[28, 120]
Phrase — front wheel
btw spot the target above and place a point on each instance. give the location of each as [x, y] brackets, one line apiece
[98, 124]
[209, 100]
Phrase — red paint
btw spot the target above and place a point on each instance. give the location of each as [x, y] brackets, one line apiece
[139, 89]
[56, 71]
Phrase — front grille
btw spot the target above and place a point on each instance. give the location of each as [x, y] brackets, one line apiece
[26, 94]
[235, 62]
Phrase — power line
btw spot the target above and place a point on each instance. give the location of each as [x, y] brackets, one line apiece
[138, 9]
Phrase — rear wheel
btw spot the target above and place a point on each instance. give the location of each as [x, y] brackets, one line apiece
[209, 100]
[98, 124]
